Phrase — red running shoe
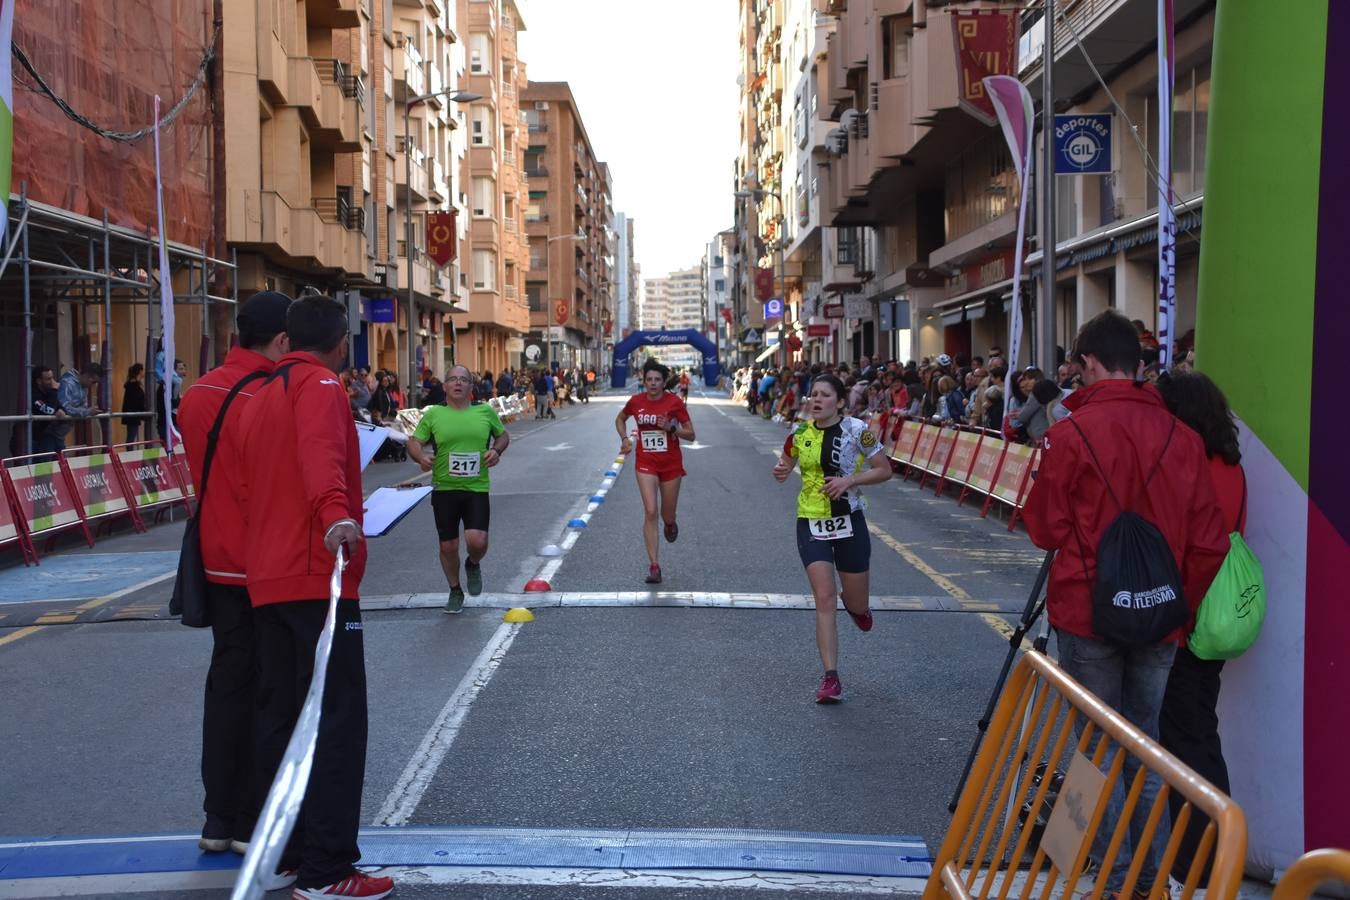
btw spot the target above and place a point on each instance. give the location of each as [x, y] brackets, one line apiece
[831, 691]
[863, 620]
[672, 532]
[654, 575]
[357, 884]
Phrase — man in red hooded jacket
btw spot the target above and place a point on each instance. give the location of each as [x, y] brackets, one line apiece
[227, 710]
[302, 488]
[1131, 436]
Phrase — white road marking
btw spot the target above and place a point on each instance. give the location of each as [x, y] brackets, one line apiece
[556, 447]
[718, 879]
[698, 599]
[412, 784]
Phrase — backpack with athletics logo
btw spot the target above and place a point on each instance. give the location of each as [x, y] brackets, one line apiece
[1137, 596]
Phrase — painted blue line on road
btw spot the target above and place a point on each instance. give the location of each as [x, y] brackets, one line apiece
[776, 851]
[84, 576]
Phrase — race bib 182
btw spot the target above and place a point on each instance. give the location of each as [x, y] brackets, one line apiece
[831, 529]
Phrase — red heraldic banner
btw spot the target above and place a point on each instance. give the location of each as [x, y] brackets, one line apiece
[986, 44]
[442, 238]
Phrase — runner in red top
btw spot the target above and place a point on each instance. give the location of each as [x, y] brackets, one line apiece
[663, 421]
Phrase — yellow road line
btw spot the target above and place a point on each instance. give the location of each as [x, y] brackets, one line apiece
[19, 635]
[951, 588]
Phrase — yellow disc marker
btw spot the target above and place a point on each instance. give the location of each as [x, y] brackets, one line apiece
[518, 614]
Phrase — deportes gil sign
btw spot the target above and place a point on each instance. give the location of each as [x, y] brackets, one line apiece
[1083, 144]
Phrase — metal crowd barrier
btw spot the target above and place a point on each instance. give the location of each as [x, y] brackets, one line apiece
[999, 845]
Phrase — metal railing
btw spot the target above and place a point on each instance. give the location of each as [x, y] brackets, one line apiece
[536, 217]
[342, 211]
[538, 127]
[334, 71]
[536, 172]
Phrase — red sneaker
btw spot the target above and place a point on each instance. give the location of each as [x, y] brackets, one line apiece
[831, 691]
[863, 619]
[357, 884]
[654, 575]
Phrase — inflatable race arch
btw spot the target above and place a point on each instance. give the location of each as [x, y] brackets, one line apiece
[711, 368]
[1273, 325]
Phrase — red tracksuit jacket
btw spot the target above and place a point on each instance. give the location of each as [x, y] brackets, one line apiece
[301, 473]
[222, 522]
[1069, 507]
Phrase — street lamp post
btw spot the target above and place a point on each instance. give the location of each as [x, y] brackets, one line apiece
[454, 96]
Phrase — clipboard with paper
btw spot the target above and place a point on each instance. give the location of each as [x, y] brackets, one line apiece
[387, 506]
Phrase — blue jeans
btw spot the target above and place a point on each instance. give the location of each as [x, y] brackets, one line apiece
[1132, 681]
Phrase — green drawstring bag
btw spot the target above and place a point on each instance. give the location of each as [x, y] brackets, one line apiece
[1231, 614]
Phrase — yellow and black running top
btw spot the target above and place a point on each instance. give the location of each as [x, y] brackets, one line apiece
[824, 453]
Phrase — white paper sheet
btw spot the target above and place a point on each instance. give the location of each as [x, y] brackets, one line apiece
[386, 506]
[370, 437]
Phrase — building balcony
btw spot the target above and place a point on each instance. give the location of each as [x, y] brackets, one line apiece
[274, 72]
[421, 272]
[419, 179]
[491, 307]
[483, 160]
[538, 128]
[440, 190]
[305, 90]
[333, 13]
[339, 111]
[892, 122]
[435, 86]
[297, 236]
[484, 234]
[408, 68]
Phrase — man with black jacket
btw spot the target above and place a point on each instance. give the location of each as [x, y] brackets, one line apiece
[227, 712]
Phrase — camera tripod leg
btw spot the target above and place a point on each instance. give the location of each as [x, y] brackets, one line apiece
[1032, 611]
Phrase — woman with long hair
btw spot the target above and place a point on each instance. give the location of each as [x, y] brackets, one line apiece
[831, 532]
[662, 422]
[1188, 724]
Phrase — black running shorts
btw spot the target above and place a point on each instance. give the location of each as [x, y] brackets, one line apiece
[453, 507]
[850, 554]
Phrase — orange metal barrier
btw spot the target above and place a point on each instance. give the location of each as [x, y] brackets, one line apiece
[1312, 870]
[995, 848]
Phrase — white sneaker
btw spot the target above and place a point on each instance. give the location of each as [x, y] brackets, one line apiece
[278, 880]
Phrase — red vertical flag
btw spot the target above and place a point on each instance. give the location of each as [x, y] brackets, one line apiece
[442, 238]
[764, 283]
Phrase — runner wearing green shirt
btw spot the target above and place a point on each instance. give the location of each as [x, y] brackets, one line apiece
[469, 440]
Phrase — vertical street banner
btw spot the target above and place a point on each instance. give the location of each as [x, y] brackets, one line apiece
[1013, 105]
[1167, 222]
[763, 283]
[165, 300]
[6, 104]
[986, 45]
[562, 311]
[442, 238]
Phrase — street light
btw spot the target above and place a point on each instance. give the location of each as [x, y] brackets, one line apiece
[759, 194]
[453, 96]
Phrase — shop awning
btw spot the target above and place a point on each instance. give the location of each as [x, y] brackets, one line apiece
[765, 353]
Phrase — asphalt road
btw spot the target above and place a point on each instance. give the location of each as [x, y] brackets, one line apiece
[661, 713]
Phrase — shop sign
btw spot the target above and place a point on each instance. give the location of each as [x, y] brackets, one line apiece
[833, 311]
[857, 306]
[817, 331]
[1083, 144]
[378, 309]
[981, 274]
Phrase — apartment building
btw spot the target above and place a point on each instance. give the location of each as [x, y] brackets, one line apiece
[572, 247]
[717, 288]
[496, 257]
[676, 301]
[923, 196]
[628, 278]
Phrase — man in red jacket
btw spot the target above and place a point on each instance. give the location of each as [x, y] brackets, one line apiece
[302, 488]
[227, 712]
[1132, 436]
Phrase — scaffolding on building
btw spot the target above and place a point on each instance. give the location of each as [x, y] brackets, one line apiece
[98, 275]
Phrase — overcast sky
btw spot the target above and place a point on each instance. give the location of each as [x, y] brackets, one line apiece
[656, 87]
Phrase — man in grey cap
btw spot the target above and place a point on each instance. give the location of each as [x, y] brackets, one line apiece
[227, 727]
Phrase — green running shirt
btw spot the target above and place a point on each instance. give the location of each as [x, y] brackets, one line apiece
[462, 439]
[835, 451]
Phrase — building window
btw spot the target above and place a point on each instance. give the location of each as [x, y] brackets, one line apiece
[895, 46]
[484, 270]
[481, 126]
[846, 246]
[535, 293]
[719, 284]
[484, 197]
[479, 51]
